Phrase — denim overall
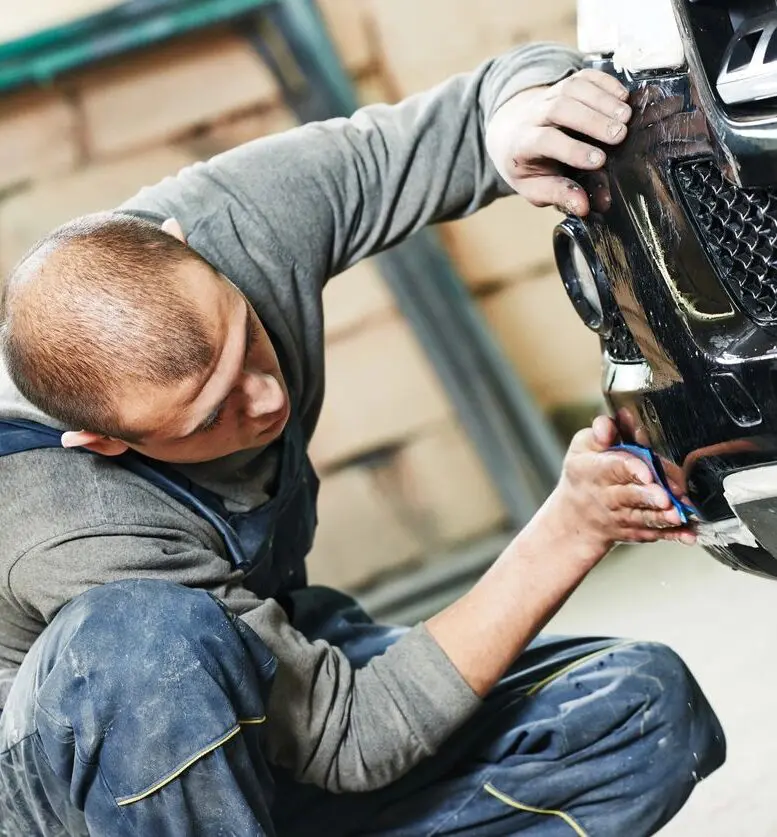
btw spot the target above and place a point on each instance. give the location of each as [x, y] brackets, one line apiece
[140, 709]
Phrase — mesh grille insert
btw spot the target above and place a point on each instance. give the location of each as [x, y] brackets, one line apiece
[620, 345]
[738, 229]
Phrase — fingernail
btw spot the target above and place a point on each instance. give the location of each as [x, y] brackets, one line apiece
[596, 157]
[623, 114]
[615, 129]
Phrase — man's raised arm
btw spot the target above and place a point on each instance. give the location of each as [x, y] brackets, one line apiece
[325, 195]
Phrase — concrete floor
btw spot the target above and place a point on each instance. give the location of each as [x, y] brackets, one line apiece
[724, 624]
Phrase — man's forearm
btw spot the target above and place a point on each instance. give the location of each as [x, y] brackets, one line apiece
[325, 195]
[358, 730]
[483, 632]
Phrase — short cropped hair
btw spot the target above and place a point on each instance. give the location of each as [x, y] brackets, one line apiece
[97, 304]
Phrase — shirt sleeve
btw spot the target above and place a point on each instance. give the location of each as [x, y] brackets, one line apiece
[325, 195]
[330, 725]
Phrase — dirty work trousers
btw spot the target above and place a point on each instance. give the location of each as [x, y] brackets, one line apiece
[139, 712]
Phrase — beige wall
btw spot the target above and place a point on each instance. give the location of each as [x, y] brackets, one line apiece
[400, 479]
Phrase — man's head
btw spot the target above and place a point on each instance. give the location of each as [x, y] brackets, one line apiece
[118, 329]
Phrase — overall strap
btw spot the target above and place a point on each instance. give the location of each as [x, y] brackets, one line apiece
[18, 435]
[269, 543]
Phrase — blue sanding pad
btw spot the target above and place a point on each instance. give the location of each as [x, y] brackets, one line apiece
[653, 462]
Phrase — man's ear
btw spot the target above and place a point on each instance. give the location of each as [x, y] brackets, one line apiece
[173, 228]
[105, 445]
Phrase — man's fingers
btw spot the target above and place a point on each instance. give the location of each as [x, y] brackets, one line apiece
[646, 497]
[637, 520]
[554, 190]
[640, 536]
[605, 432]
[570, 113]
[647, 519]
[610, 471]
[640, 508]
[528, 138]
[599, 437]
[554, 144]
[603, 80]
[623, 468]
[598, 98]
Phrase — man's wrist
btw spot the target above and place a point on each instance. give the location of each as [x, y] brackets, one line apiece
[560, 532]
[532, 65]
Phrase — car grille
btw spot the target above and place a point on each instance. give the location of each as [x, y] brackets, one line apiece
[620, 345]
[738, 228]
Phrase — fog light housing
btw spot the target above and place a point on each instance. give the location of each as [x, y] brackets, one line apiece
[582, 275]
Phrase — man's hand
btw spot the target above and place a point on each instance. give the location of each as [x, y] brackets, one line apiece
[529, 138]
[603, 497]
[606, 497]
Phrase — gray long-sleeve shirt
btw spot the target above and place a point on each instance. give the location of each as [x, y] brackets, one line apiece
[279, 217]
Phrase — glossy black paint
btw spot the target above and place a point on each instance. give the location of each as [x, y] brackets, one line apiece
[705, 397]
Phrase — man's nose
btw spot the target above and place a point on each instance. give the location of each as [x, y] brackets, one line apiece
[263, 395]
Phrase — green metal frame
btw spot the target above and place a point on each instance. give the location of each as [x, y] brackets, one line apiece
[42, 56]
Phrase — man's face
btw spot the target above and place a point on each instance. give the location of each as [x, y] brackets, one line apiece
[239, 403]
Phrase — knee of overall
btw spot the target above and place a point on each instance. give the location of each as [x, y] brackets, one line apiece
[142, 674]
[686, 725]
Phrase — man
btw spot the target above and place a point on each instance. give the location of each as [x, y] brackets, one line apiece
[171, 673]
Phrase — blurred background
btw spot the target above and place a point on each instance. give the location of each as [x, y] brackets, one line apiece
[98, 98]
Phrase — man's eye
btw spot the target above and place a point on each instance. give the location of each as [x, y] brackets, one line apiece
[213, 422]
[253, 335]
